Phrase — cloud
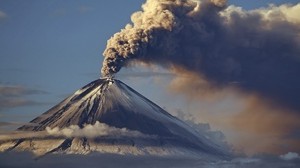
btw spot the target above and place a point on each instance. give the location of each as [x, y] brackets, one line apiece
[9, 91]
[15, 96]
[290, 156]
[16, 102]
[204, 129]
[2, 124]
[84, 9]
[73, 131]
[3, 15]
[112, 160]
[243, 119]
[92, 131]
[271, 125]
[144, 74]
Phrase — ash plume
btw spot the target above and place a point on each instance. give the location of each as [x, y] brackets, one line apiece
[258, 49]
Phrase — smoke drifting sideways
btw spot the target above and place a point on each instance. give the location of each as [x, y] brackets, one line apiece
[258, 49]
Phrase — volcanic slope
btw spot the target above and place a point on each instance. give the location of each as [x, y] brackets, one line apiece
[132, 125]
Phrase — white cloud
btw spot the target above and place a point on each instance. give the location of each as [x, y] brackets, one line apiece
[283, 12]
[73, 131]
[290, 156]
[91, 131]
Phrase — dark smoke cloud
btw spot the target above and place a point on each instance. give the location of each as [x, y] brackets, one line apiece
[145, 74]
[259, 50]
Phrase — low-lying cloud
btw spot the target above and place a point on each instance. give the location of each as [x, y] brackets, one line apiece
[290, 156]
[73, 131]
[14, 91]
[111, 161]
[92, 131]
[15, 96]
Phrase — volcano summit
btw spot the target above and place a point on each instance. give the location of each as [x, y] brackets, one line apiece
[110, 117]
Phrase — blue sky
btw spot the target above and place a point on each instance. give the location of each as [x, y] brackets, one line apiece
[50, 49]
[55, 46]
[253, 4]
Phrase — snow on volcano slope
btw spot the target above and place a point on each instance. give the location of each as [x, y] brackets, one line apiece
[108, 116]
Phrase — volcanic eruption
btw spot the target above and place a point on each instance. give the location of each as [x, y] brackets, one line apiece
[205, 38]
[212, 47]
[110, 117]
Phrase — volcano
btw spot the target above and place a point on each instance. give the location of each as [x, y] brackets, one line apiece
[139, 126]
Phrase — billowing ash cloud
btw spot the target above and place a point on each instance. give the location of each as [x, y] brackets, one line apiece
[152, 35]
[259, 50]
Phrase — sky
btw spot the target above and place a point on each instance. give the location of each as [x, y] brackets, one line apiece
[49, 49]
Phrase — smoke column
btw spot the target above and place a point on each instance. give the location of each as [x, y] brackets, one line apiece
[258, 49]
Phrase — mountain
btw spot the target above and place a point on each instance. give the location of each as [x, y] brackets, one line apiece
[110, 117]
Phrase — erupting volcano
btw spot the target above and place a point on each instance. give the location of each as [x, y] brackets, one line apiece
[110, 117]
